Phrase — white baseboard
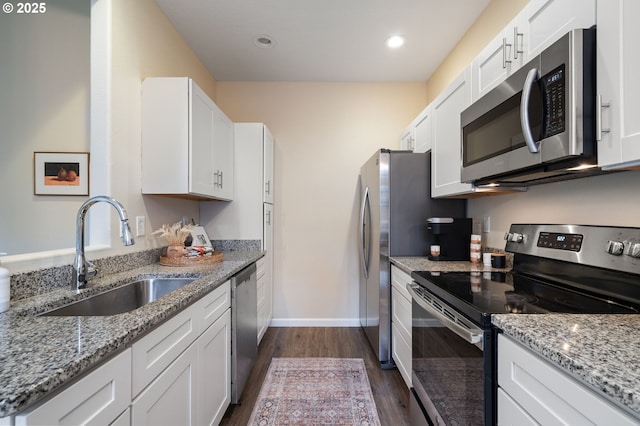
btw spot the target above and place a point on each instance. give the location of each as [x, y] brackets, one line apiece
[315, 322]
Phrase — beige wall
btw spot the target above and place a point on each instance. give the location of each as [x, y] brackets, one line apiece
[324, 132]
[144, 44]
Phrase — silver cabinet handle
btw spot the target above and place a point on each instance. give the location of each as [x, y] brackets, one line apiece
[599, 106]
[532, 75]
[505, 61]
[516, 49]
[268, 218]
[268, 187]
[221, 179]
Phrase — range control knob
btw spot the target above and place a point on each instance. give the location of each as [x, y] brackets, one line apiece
[507, 236]
[632, 248]
[517, 238]
[614, 247]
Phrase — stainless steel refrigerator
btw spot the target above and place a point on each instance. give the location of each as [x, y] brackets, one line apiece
[395, 194]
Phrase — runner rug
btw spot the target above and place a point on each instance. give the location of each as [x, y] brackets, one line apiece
[315, 391]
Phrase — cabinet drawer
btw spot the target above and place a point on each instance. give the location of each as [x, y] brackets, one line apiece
[549, 394]
[399, 280]
[213, 305]
[155, 351]
[98, 398]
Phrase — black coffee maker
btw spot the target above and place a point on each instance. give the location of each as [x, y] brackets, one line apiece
[452, 235]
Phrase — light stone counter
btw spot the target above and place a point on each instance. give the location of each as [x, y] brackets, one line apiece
[602, 351]
[38, 354]
[418, 263]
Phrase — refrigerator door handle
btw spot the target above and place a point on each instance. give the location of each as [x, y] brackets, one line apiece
[364, 253]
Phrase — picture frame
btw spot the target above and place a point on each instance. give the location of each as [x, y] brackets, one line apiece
[61, 173]
[199, 237]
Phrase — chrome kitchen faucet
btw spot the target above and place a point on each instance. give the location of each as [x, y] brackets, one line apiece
[82, 268]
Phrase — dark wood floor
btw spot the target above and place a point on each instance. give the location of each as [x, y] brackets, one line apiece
[388, 388]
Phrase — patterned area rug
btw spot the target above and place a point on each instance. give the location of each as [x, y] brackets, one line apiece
[315, 391]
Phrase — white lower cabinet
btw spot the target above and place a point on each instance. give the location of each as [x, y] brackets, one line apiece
[401, 322]
[178, 374]
[100, 397]
[532, 385]
[214, 371]
[171, 398]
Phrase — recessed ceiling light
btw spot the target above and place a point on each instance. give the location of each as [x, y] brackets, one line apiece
[264, 41]
[395, 41]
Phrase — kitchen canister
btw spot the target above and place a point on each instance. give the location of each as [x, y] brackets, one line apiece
[5, 289]
[475, 248]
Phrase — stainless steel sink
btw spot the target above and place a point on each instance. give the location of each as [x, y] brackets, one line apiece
[122, 299]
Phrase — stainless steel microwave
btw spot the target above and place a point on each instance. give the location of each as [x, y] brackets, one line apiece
[538, 125]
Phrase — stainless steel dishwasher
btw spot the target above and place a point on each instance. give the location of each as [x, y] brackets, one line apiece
[244, 328]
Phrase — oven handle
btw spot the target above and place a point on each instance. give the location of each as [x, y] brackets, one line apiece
[532, 75]
[473, 336]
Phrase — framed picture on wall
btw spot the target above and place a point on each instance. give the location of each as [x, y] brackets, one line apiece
[61, 173]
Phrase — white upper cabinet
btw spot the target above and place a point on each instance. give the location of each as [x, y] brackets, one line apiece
[423, 130]
[407, 138]
[268, 165]
[446, 156]
[618, 62]
[187, 141]
[536, 27]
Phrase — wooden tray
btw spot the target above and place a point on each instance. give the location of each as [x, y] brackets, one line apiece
[216, 256]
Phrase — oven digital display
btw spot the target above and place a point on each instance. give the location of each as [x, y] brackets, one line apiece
[554, 240]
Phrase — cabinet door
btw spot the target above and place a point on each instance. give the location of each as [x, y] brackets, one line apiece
[201, 157]
[214, 371]
[618, 62]
[223, 152]
[446, 155]
[268, 166]
[171, 398]
[422, 131]
[98, 398]
[268, 273]
[407, 138]
[535, 28]
[494, 64]
[542, 22]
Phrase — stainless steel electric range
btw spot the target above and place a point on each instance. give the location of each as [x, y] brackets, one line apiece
[556, 268]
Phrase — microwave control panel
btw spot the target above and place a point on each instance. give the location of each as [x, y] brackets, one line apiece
[554, 95]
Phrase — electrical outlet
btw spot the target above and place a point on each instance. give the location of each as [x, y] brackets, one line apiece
[140, 226]
[486, 224]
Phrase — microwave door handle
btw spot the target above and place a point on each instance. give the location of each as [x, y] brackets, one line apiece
[532, 75]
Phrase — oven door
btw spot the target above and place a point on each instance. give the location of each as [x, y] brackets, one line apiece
[448, 363]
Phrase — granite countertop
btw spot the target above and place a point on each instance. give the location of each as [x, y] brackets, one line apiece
[418, 263]
[599, 350]
[40, 353]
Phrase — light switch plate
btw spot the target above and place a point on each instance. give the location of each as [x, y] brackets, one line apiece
[140, 226]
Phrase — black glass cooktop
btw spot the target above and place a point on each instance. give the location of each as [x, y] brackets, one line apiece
[480, 294]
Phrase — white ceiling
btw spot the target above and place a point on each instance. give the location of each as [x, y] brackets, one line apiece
[321, 40]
